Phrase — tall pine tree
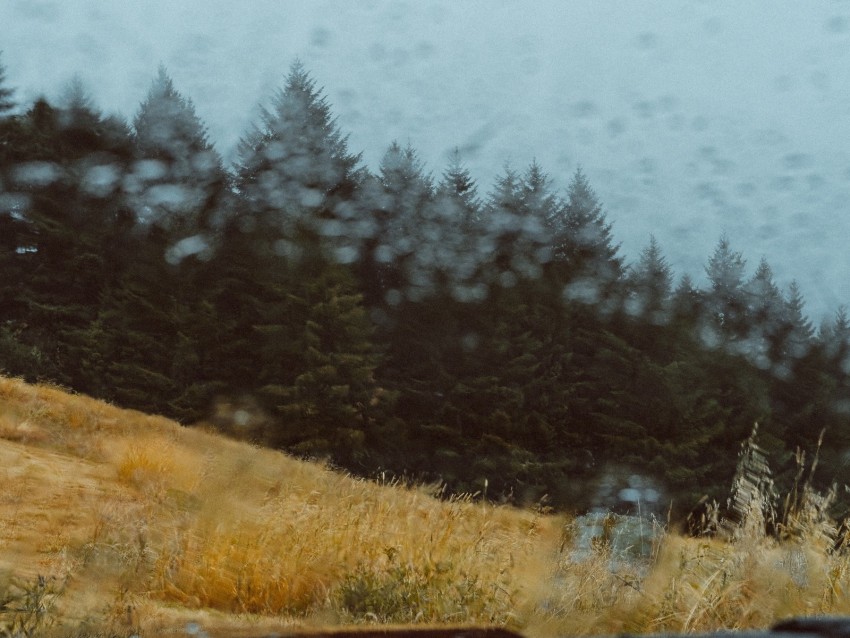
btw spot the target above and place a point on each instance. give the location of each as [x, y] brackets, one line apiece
[6, 93]
[587, 264]
[180, 180]
[725, 298]
[651, 282]
[295, 172]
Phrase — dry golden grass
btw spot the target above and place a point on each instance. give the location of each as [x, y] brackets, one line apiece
[145, 526]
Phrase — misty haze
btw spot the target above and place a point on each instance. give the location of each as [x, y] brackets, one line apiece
[517, 315]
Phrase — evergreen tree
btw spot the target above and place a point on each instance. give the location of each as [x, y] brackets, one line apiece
[180, 181]
[583, 245]
[515, 219]
[6, 93]
[835, 337]
[85, 134]
[726, 301]
[764, 299]
[764, 306]
[503, 222]
[459, 191]
[651, 282]
[687, 302]
[68, 241]
[458, 210]
[401, 221]
[295, 172]
[540, 206]
[77, 104]
[14, 356]
[320, 377]
[798, 330]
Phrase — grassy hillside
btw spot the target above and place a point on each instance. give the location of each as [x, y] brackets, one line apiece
[114, 522]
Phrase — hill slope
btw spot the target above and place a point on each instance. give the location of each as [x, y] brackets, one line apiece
[144, 524]
[114, 523]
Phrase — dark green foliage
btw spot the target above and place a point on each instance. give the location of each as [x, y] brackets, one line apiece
[725, 298]
[295, 174]
[180, 178]
[319, 363]
[6, 93]
[583, 244]
[63, 244]
[514, 223]
[650, 282]
[398, 204]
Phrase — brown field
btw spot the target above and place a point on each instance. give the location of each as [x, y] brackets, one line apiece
[116, 523]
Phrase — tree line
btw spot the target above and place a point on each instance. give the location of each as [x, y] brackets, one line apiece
[391, 320]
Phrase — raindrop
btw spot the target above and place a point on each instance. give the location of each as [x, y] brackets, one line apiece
[837, 24]
[647, 40]
[36, 174]
[320, 37]
[584, 108]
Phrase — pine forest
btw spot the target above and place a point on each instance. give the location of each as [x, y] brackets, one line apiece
[394, 322]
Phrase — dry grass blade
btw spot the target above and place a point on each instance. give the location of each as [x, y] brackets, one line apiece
[150, 526]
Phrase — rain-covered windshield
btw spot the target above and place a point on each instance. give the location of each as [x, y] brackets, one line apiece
[520, 249]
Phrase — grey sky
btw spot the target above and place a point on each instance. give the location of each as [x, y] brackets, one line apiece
[690, 118]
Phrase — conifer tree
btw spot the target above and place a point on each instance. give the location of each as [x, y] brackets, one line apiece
[319, 370]
[651, 281]
[458, 211]
[182, 180]
[515, 219]
[764, 300]
[835, 336]
[764, 306]
[6, 93]
[797, 326]
[540, 206]
[725, 298]
[502, 217]
[583, 245]
[459, 191]
[69, 244]
[688, 307]
[404, 229]
[11, 139]
[295, 172]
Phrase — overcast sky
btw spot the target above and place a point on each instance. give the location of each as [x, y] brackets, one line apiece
[690, 118]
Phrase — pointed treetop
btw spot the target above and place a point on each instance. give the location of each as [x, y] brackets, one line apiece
[653, 264]
[458, 193]
[6, 102]
[651, 279]
[167, 127]
[834, 333]
[841, 323]
[686, 285]
[506, 194]
[540, 201]
[458, 181]
[582, 235]
[401, 164]
[802, 328]
[725, 269]
[580, 193]
[77, 102]
[297, 146]
[76, 95]
[761, 287]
